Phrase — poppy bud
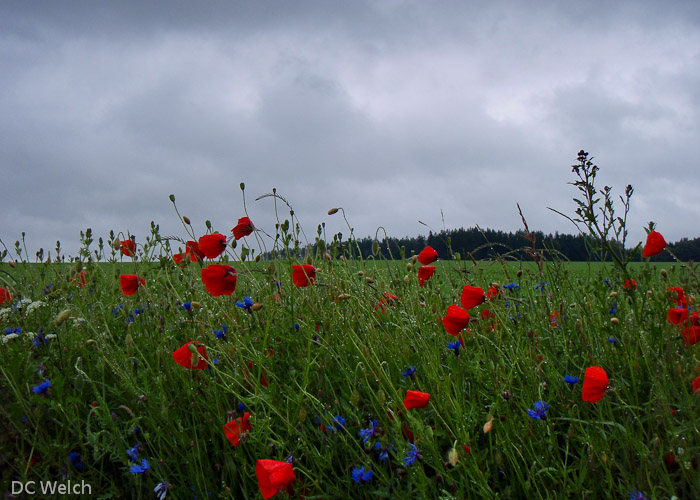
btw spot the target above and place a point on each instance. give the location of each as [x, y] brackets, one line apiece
[327, 256]
[360, 273]
[488, 426]
[256, 306]
[128, 340]
[192, 348]
[519, 273]
[407, 280]
[409, 266]
[271, 268]
[414, 259]
[664, 273]
[172, 198]
[381, 397]
[257, 258]
[89, 342]
[615, 321]
[12, 263]
[343, 296]
[369, 280]
[186, 219]
[242, 186]
[332, 211]
[613, 294]
[196, 305]
[302, 415]
[375, 247]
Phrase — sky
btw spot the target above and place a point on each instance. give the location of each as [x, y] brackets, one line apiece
[446, 112]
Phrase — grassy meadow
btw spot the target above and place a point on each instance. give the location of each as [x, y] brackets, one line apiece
[316, 377]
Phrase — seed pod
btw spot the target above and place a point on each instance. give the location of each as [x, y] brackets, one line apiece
[332, 211]
[256, 306]
[664, 273]
[519, 273]
[186, 220]
[62, 317]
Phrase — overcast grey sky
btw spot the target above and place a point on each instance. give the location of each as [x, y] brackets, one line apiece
[394, 110]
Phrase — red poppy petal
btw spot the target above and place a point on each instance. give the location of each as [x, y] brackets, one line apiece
[455, 320]
[416, 399]
[595, 383]
[425, 273]
[472, 296]
[427, 256]
[655, 244]
[303, 275]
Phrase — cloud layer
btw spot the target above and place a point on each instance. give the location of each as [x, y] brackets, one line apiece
[395, 110]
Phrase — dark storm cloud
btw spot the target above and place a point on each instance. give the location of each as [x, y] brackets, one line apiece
[395, 110]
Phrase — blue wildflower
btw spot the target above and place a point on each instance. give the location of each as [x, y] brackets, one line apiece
[371, 431]
[75, 460]
[338, 423]
[116, 309]
[637, 495]
[43, 387]
[161, 490]
[296, 326]
[17, 330]
[140, 469]
[241, 407]
[215, 361]
[540, 411]
[360, 476]
[246, 304]
[606, 281]
[613, 340]
[540, 286]
[454, 346]
[187, 306]
[133, 453]
[570, 380]
[613, 308]
[511, 286]
[383, 452]
[221, 333]
[411, 455]
[409, 373]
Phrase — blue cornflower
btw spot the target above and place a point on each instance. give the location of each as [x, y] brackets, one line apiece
[187, 306]
[371, 431]
[115, 310]
[383, 452]
[37, 341]
[613, 340]
[570, 380]
[75, 460]
[241, 407]
[337, 424]
[606, 281]
[296, 326]
[246, 304]
[17, 329]
[140, 469]
[454, 346]
[133, 453]
[360, 476]
[613, 308]
[47, 289]
[540, 411]
[221, 333]
[215, 361]
[43, 387]
[540, 286]
[161, 490]
[511, 286]
[409, 373]
[411, 455]
[637, 495]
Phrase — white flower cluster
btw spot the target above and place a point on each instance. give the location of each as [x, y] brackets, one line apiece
[33, 306]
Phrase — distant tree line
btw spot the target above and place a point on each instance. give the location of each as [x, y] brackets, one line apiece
[488, 243]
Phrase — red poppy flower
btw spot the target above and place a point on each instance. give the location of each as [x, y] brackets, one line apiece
[486, 314]
[263, 380]
[455, 320]
[80, 280]
[187, 357]
[303, 275]
[595, 383]
[676, 316]
[415, 399]
[696, 385]
[655, 244]
[493, 292]
[691, 335]
[5, 295]
[128, 247]
[219, 279]
[129, 283]
[427, 256]
[553, 319]
[630, 285]
[212, 245]
[243, 228]
[388, 300]
[472, 296]
[676, 294]
[695, 319]
[425, 273]
[236, 427]
[273, 476]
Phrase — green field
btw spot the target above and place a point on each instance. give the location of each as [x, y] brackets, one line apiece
[315, 366]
